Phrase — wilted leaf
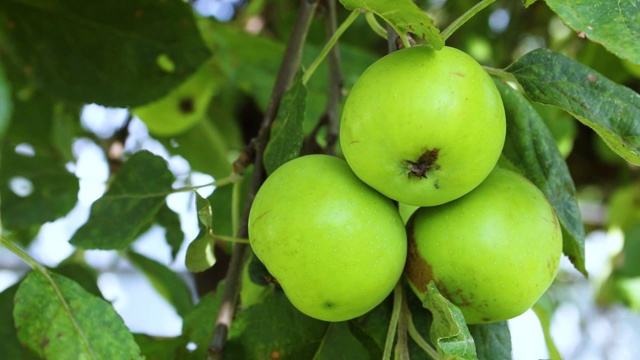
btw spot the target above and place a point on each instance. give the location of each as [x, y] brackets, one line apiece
[286, 132]
[610, 109]
[58, 319]
[612, 23]
[493, 341]
[530, 147]
[449, 331]
[129, 206]
[404, 16]
[122, 53]
[166, 282]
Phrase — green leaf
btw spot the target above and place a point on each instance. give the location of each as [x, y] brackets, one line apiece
[449, 331]
[612, 23]
[158, 348]
[170, 221]
[610, 109]
[404, 16]
[528, 3]
[286, 131]
[58, 319]
[50, 190]
[129, 206]
[166, 282]
[110, 53]
[493, 341]
[81, 273]
[274, 328]
[371, 328]
[339, 343]
[9, 343]
[197, 325]
[200, 255]
[530, 147]
[6, 102]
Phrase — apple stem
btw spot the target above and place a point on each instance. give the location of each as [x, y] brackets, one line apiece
[329, 45]
[456, 24]
[288, 68]
[393, 323]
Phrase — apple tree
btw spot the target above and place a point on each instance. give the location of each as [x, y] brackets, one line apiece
[331, 179]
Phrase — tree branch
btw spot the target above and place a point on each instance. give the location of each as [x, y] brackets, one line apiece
[288, 68]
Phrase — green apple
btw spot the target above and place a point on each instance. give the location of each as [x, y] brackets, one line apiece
[422, 126]
[336, 246]
[183, 107]
[492, 252]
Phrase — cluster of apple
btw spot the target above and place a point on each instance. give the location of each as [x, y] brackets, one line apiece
[423, 128]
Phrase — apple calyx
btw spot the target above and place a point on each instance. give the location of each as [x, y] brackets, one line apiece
[425, 163]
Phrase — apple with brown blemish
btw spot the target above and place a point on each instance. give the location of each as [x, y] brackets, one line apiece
[422, 126]
[492, 252]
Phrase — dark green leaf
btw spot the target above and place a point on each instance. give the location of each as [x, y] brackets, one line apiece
[449, 331]
[274, 328]
[339, 343]
[612, 23]
[286, 132]
[123, 53]
[630, 268]
[158, 348]
[493, 341]
[530, 147]
[205, 214]
[58, 319]
[9, 343]
[166, 282]
[49, 190]
[6, 102]
[129, 206]
[204, 146]
[371, 328]
[81, 273]
[46, 190]
[610, 109]
[404, 16]
[170, 221]
[200, 255]
[197, 325]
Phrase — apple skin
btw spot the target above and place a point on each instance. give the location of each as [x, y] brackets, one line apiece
[423, 127]
[336, 246]
[492, 252]
[183, 107]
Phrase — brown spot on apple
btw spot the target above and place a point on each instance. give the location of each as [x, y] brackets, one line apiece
[426, 162]
[418, 271]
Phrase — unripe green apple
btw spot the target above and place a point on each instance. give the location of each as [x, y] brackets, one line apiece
[183, 107]
[492, 252]
[336, 246]
[422, 126]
